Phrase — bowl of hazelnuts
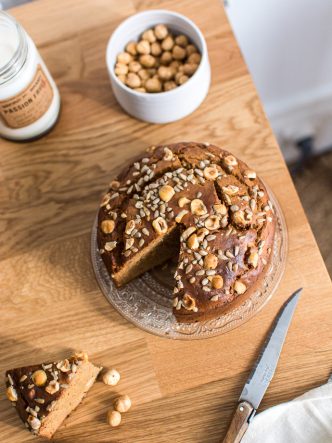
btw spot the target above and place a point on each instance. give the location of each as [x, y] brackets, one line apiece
[158, 66]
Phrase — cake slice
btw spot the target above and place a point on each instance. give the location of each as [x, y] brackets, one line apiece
[45, 394]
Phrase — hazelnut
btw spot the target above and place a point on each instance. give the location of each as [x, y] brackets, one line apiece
[238, 218]
[131, 48]
[193, 242]
[133, 80]
[81, 355]
[111, 377]
[140, 89]
[166, 58]
[11, 393]
[134, 66]
[201, 233]
[212, 223]
[168, 154]
[153, 85]
[122, 78]
[156, 49]
[152, 71]
[165, 73]
[239, 287]
[189, 68]
[143, 47]
[191, 49]
[183, 201]
[52, 387]
[249, 173]
[220, 209]
[187, 233]
[175, 64]
[230, 190]
[166, 192]
[147, 60]
[39, 377]
[159, 225]
[149, 35]
[181, 40]
[210, 261]
[253, 259]
[34, 422]
[230, 160]
[168, 43]
[217, 282]
[194, 58]
[64, 365]
[107, 226]
[181, 78]
[160, 31]
[115, 185]
[121, 69]
[210, 172]
[168, 86]
[113, 418]
[180, 215]
[143, 74]
[124, 58]
[109, 246]
[122, 403]
[198, 207]
[178, 53]
[189, 303]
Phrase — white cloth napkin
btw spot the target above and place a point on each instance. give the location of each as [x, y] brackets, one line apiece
[306, 419]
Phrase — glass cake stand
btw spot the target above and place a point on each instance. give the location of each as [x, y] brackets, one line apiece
[147, 301]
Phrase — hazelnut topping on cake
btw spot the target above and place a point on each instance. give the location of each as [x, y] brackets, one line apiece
[45, 394]
[200, 202]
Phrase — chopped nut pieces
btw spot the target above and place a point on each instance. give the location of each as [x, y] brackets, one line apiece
[111, 377]
[113, 418]
[158, 62]
[122, 403]
[189, 303]
[52, 387]
[198, 207]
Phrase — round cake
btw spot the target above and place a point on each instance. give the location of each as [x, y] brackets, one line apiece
[197, 202]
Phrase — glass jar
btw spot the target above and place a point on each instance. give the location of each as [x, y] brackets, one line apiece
[29, 97]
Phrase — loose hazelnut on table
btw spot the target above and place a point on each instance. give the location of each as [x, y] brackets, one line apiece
[113, 418]
[122, 403]
[160, 31]
[111, 377]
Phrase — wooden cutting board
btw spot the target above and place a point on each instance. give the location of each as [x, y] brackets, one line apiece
[50, 301]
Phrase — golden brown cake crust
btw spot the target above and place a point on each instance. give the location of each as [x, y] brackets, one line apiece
[219, 207]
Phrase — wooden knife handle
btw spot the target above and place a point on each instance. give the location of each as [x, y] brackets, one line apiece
[240, 423]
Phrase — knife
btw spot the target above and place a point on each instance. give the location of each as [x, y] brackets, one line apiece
[262, 373]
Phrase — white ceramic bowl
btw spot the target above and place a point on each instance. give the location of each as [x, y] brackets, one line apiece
[162, 107]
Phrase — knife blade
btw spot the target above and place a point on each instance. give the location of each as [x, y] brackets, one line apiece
[262, 372]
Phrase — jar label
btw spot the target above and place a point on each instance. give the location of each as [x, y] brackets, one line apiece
[28, 105]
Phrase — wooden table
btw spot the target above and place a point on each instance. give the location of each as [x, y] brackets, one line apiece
[181, 391]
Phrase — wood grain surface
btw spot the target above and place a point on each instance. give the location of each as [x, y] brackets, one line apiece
[49, 193]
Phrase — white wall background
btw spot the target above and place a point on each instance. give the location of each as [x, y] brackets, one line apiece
[287, 45]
